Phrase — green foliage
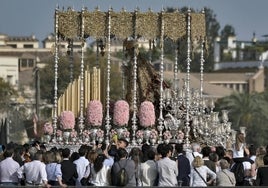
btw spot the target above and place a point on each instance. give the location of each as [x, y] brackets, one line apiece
[6, 91]
[250, 111]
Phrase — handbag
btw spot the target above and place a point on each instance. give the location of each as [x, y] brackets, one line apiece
[85, 180]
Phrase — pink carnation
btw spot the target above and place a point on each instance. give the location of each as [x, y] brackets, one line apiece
[94, 113]
[67, 120]
[121, 113]
[47, 128]
[73, 133]
[147, 114]
[167, 135]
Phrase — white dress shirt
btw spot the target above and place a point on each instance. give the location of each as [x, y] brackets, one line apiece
[8, 170]
[53, 171]
[168, 172]
[81, 167]
[148, 173]
[103, 177]
[35, 172]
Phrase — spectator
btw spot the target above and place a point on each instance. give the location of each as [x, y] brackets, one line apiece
[68, 168]
[149, 172]
[8, 169]
[225, 177]
[35, 171]
[262, 173]
[184, 166]
[81, 164]
[167, 168]
[199, 173]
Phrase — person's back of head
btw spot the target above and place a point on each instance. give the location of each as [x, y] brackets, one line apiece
[66, 153]
[213, 157]
[122, 153]
[82, 151]
[8, 152]
[265, 159]
[206, 151]
[196, 147]
[151, 154]
[224, 164]
[179, 147]
[197, 162]
[252, 150]
[38, 155]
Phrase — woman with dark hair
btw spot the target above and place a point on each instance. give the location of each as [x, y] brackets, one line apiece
[100, 173]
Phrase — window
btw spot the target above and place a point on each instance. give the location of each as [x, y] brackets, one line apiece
[13, 45]
[27, 46]
[23, 63]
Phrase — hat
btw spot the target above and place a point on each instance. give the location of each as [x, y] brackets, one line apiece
[124, 140]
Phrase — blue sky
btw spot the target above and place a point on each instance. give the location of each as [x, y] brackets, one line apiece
[36, 17]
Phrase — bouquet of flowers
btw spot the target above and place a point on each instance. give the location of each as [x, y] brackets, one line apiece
[180, 135]
[86, 133]
[94, 113]
[154, 134]
[139, 134]
[147, 114]
[67, 120]
[73, 133]
[167, 135]
[59, 133]
[126, 134]
[100, 133]
[47, 128]
[121, 113]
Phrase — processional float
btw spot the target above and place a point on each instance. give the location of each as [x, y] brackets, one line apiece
[182, 114]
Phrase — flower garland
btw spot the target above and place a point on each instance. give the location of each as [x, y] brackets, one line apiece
[67, 120]
[147, 114]
[94, 113]
[121, 113]
[47, 128]
[154, 134]
[167, 135]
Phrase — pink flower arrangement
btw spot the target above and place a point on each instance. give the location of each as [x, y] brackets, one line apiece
[59, 133]
[180, 135]
[167, 135]
[47, 128]
[126, 134]
[139, 134]
[100, 133]
[86, 133]
[94, 113]
[67, 120]
[154, 134]
[73, 133]
[121, 113]
[147, 114]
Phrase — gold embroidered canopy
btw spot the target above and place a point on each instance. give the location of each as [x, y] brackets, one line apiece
[126, 24]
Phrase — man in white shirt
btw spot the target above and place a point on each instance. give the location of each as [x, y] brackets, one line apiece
[35, 171]
[167, 168]
[81, 165]
[8, 169]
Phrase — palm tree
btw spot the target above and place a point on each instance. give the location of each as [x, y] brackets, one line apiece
[250, 111]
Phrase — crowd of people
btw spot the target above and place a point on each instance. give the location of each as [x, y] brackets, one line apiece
[166, 165]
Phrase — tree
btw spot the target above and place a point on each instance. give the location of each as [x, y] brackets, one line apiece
[6, 91]
[250, 111]
[226, 32]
